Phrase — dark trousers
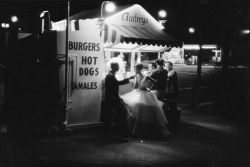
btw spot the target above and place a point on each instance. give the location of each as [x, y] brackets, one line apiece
[171, 111]
[116, 117]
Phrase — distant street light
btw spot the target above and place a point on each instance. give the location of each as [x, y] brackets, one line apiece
[191, 30]
[162, 15]
[5, 25]
[109, 7]
[245, 32]
[14, 19]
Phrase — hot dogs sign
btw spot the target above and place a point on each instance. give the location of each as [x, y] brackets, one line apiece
[88, 66]
[86, 72]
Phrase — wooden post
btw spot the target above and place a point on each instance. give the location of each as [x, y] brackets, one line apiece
[198, 76]
[159, 55]
[138, 57]
[132, 61]
[66, 62]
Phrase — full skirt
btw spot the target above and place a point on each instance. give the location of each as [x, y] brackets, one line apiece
[146, 117]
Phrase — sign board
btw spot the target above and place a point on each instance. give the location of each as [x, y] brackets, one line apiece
[134, 16]
[85, 71]
[174, 55]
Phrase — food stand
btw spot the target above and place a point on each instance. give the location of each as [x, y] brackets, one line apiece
[131, 32]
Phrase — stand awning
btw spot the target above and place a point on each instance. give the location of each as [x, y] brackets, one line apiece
[144, 36]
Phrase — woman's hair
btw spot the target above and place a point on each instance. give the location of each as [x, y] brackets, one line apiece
[170, 63]
[114, 65]
[139, 66]
[159, 62]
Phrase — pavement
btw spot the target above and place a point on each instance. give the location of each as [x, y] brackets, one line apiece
[200, 140]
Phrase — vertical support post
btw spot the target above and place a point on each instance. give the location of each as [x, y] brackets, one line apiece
[182, 53]
[159, 55]
[66, 61]
[198, 77]
[138, 57]
[132, 61]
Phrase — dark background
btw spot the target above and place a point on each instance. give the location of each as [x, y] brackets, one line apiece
[213, 17]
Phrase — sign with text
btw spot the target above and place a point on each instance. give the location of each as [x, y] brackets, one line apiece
[86, 71]
[134, 16]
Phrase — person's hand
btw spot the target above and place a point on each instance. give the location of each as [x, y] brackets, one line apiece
[171, 73]
[132, 77]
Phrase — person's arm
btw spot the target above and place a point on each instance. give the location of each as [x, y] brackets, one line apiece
[125, 81]
[151, 79]
[153, 76]
[172, 73]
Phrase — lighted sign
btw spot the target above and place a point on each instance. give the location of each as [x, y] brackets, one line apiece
[191, 47]
[86, 71]
[197, 47]
[134, 18]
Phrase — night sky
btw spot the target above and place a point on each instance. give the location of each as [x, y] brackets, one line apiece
[214, 18]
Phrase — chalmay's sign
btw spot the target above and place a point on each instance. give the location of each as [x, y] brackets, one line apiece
[134, 18]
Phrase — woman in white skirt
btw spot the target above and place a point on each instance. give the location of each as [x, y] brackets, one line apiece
[146, 118]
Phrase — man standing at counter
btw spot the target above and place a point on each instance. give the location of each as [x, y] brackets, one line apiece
[115, 106]
[160, 75]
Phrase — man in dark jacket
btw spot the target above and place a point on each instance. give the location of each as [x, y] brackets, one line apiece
[172, 85]
[115, 106]
[160, 76]
[172, 93]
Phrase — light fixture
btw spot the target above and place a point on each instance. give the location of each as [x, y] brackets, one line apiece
[3, 25]
[45, 21]
[191, 30]
[197, 47]
[110, 7]
[162, 14]
[42, 14]
[14, 19]
[191, 47]
[246, 31]
[209, 46]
